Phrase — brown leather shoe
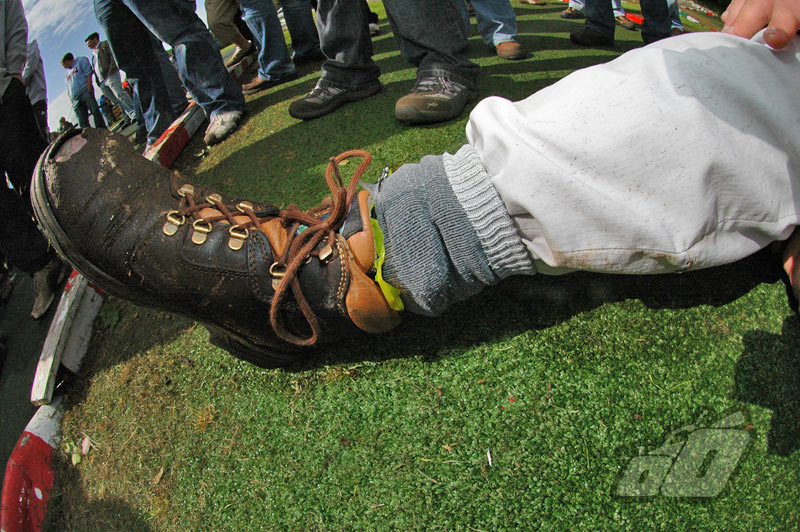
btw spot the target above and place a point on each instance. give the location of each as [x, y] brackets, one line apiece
[258, 84]
[510, 50]
[264, 281]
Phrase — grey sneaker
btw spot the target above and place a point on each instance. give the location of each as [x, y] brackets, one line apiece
[325, 98]
[221, 125]
[45, 286]
[433, 99]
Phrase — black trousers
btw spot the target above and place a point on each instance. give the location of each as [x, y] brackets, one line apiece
[20, 146]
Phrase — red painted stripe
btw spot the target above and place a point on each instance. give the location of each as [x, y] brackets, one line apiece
[636, 19]
[26, 485]
[172, 147]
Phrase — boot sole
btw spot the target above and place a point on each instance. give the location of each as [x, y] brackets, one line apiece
[237, 345]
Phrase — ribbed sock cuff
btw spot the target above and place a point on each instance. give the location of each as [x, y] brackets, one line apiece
[433, 255]
[487, 213]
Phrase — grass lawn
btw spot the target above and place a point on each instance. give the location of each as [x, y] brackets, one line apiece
[517, 410]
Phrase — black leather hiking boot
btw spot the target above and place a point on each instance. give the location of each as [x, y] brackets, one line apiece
[265, 282]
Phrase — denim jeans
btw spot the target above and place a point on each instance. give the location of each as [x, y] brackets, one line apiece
[616, 5]
[600, 18]
[83, 104]
[135, 50]
[273, 57]
[300, 23]
[175, 23]
[113, 84]
[497, 22]
[429, 33]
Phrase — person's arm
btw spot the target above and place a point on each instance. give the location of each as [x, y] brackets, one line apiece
[85, 70]
[16, 35]
[104, 59]
[31, 63]
[746, 17]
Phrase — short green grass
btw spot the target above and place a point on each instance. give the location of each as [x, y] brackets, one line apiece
[559, 380]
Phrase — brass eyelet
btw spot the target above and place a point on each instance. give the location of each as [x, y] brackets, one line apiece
[276, 274]
[244, 206]
[173, 223]
[185, 189]
[325, 252]
[201, 230]
[214, 198]
[238, 237]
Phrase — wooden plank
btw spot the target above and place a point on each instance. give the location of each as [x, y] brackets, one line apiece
[80, 332]
[57, 337]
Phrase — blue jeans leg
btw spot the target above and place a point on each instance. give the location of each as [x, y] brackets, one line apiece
[300, 23]
[198, 59]
[81, 113]
[344, 39]
[497, 22]
[88, 104]
[176, 92]
[273, 58]
[135, 50]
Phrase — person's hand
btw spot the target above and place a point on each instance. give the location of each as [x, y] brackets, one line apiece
[746, 17]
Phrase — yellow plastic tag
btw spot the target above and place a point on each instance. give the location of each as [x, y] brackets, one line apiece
[391, 293]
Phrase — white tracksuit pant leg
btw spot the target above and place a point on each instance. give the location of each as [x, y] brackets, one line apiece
[683, 154]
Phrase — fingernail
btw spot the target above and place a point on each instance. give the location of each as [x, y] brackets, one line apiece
[727, 29]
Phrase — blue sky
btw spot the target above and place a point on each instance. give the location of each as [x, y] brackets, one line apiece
[60, 26]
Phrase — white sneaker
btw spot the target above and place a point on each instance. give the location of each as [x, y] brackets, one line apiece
[374, 29]
[221, 125]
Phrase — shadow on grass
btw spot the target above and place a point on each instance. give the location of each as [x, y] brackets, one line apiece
[767, 374]
[70, 508]
[533, 303]
[123, 330]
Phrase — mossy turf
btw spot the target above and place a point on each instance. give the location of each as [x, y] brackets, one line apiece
[516, 410]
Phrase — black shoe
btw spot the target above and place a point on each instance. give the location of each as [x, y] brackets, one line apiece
[258, 84]
[325, 98]
[590, 37]
[311, 57]
[650, 39]
[433, 99]
[141, 136]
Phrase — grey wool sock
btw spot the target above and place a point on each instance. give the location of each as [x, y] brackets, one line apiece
[447, 233]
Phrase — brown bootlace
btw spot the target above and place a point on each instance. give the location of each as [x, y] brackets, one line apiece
[300, 246]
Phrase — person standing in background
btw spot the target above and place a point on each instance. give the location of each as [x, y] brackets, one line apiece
[81, 90]
[108, 77]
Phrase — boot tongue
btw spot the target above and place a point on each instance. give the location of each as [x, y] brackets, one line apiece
[356, 230]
